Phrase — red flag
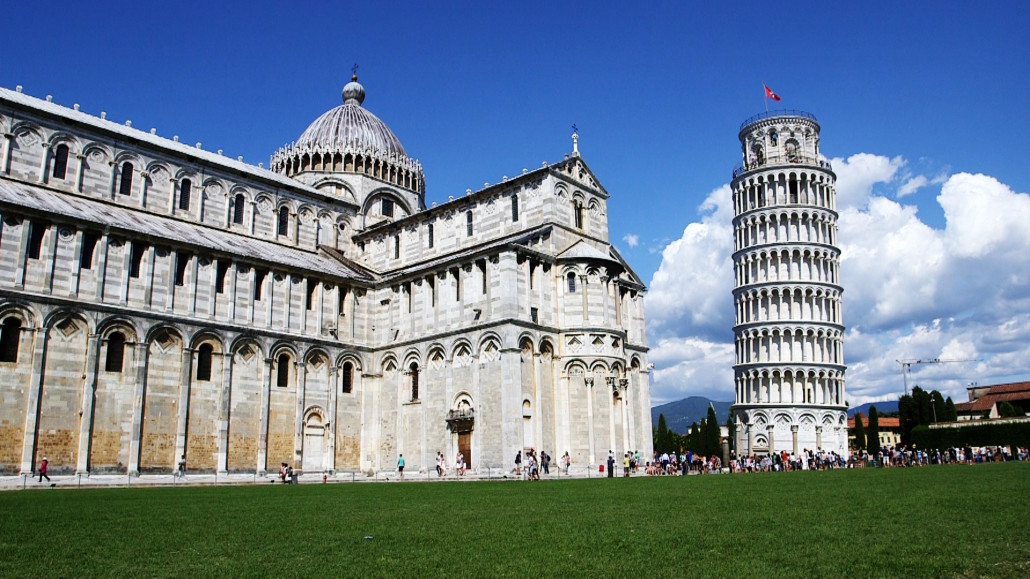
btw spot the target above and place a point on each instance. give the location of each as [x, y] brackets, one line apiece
[770, 94]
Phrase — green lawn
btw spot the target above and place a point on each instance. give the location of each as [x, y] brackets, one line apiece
[932, 521]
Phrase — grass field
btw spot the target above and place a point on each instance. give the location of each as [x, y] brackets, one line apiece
[934, 521]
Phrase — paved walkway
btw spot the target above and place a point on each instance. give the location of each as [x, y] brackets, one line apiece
[27, 482]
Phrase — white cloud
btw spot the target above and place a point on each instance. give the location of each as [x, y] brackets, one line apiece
[912, 185]
[912, 291]
[857, 176]
[631, 239]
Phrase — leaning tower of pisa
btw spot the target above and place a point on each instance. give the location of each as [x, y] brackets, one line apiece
[789, 374]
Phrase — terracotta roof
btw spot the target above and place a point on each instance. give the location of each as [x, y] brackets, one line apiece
[1023, 387]
[882, 422]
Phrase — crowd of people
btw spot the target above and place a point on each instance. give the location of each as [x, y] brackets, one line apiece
[914, 456]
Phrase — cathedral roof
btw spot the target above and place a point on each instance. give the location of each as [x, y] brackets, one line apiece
[350, 127]
[173, 230]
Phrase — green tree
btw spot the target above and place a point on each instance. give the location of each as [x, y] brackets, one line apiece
[662, 436]
[714, 438]
[873, 432]
[924, 406]
[937, 407]
[950, 412]
[859, 432]
[694, 438]
[1007, 409]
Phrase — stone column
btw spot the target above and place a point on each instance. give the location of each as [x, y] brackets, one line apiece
[771, 430]
[224, 414]
[794, 436]
[231, 274]
[147, 273]
[23, 248]
[750, 438]
[298, 440]
[80, 171]
[139, 397]
[819, 437]
[182, 419]
[89, 396]
[144, 178]
[172, 184]
[41, 340]
[262, 460]
[589, 382]
[49, 256]
[43, 160]
[334, 390]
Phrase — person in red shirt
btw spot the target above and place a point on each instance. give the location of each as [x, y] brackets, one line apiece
[42, 470]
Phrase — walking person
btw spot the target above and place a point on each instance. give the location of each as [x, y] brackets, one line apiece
[566, 460]
[181, 470]
[518, 462]
[42, 470]
[400, 465]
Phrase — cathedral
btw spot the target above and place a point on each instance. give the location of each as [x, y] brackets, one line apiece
[159, 300]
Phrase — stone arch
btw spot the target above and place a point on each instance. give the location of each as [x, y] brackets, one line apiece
[461, 346]
[575, 367]
[61, 315]
[389, 363]
[25, 312]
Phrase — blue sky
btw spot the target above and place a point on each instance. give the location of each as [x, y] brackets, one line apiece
[911, 97]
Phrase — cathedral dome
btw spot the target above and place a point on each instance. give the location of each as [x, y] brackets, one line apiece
[349, 139]
[350, 127]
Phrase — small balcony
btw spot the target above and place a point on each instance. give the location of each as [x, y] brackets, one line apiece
[791, 160]
[461, 420]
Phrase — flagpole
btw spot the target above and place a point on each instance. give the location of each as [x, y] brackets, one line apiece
[765, 97]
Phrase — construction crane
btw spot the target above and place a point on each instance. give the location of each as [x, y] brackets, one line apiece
[906, 366]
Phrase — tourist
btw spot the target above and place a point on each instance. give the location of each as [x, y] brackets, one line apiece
[566, 461]
[518, 463]
[181, 471]
[400, 466]
[611, 463]
[42, 470]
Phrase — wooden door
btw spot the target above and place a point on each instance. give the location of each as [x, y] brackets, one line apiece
[465, 447]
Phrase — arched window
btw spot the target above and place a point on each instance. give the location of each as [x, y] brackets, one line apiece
[514, 208]
[10, 336]
[387, 207]
[413, 369]
[204, 355]
[578, 214]
[396, 246]
[125, 186]
[347, 380]
[572, 282]
[282, 371]
[60, 161]
[115, 352]
[284, 221]
[185, 188]
[430, 236]
[468, 223]
[238, 203]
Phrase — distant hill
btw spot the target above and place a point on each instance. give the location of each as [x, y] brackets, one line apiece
[681, 414]
[881, 408]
